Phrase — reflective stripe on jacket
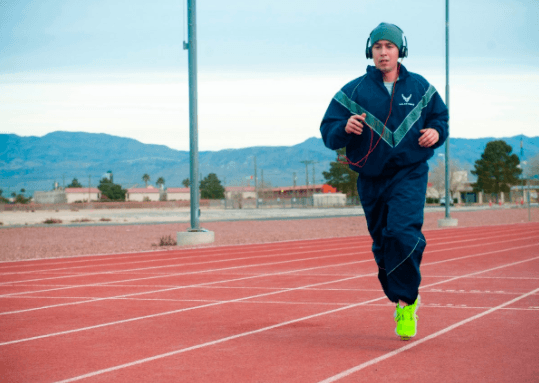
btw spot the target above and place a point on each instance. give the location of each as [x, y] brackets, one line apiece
[416, 105]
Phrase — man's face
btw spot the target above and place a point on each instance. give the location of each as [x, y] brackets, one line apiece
[385, 55]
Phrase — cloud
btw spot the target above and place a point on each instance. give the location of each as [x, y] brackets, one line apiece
[238, 109]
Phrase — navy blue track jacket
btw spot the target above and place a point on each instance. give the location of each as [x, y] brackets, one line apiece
[416, 105]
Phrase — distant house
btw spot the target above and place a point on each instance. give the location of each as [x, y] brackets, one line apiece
[50, 197]
[246, 192]
[82, 194]
[329, 199]
[302, 191]
[178, 194]
[145, 194]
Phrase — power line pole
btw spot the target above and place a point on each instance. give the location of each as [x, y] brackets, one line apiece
[306, 162]
[256, 184]
[89, 186]
[314, 183]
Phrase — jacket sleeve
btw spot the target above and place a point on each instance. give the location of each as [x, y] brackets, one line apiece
[333, 124]
[437, 118]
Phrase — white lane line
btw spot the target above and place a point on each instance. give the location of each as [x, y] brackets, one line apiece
[174, 288]
[211, 343]
[174, 311]
[218, 253]
[145, 253]
[204, 271]
[144, 269]
[204, 252]
[239, 300]
[448, 233]
[423, 340]
[312, 303]
[204, 284]
[182, 257]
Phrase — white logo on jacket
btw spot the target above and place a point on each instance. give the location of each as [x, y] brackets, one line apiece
[406, 100]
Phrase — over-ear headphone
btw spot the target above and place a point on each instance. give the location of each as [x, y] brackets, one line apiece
[403, 51]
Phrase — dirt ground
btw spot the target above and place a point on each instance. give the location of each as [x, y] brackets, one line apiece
[31, 242]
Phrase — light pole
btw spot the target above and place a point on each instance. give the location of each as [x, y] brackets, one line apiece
[521, 167]
[195, 235]
[447, 221]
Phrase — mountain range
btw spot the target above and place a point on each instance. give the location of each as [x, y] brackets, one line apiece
[37, 163]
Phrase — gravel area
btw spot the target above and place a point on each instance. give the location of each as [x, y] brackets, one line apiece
[125, 234]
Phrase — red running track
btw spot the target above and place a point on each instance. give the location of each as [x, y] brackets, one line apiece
[298, 311]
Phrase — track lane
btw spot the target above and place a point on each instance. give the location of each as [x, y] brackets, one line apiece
[308, 301]
[224, 377]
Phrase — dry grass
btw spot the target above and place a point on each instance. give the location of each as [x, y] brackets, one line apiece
[82, 220]
[52, 221]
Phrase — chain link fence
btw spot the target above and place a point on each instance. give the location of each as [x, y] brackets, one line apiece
[284, 203]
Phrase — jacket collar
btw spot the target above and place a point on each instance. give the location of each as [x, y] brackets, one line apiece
[377, 74]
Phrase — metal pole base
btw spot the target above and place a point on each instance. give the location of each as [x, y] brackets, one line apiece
[448, 222]
[195, 237]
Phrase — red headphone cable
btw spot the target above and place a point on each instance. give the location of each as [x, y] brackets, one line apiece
[346, 160]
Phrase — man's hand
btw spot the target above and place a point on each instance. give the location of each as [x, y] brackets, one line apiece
[355, 124]
[428, 137]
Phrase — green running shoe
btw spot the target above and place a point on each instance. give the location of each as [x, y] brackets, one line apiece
[406, 319]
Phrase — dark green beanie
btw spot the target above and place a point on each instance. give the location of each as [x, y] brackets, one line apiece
[389, 32]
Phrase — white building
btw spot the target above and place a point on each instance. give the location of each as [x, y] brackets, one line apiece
[178, 194]
[82, 194]
[145, 194]
[329, 200]
[246, 192]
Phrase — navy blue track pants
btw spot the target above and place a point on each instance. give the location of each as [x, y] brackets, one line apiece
[394, 210]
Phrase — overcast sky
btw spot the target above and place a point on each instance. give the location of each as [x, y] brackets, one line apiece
[267, 68]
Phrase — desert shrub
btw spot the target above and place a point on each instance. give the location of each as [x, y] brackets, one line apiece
[52, 220]
[167, 241]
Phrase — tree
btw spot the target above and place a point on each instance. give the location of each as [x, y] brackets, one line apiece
[111, 190]
[146, 178]
[497, 169]
[341, 177]
[21, 199]
[74, 184]
[186, 182]
[160, 181]
[211, 188]
[2, 199]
